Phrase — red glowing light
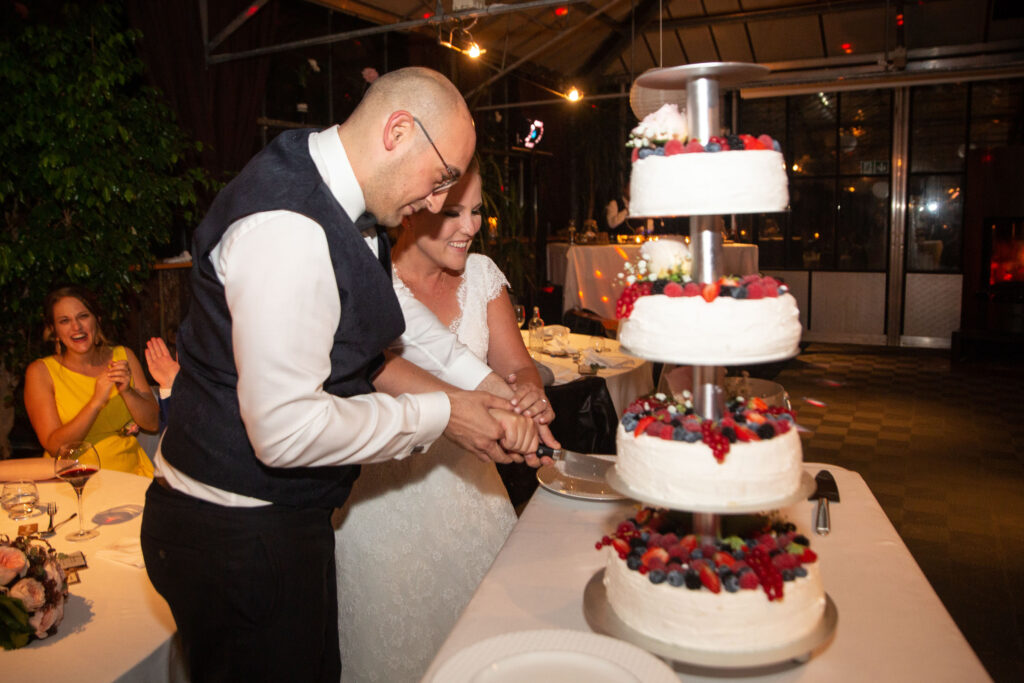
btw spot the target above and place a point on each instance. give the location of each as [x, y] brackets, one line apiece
[899, 19]
[847, 48]
[427, 15]
[253, 9]
[561, 11]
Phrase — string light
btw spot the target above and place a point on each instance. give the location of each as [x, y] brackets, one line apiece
[574, 95]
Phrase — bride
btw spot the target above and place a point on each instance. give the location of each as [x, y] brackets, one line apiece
[418, 534]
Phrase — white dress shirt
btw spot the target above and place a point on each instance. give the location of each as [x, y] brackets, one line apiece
[283, 298]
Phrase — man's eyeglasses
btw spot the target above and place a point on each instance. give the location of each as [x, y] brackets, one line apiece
[451, 175]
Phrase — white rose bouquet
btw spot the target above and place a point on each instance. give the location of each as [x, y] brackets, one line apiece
[32, 591]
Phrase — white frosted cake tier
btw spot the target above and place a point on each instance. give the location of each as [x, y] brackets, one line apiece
[669, 470]
[725, 331]
[709, 183]
[719, 622]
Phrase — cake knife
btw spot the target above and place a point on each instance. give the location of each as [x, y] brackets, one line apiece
[826, 491]
[576, 464]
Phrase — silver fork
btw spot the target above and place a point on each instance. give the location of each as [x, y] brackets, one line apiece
[51, 509]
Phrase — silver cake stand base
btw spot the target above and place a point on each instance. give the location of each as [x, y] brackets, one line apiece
[602, 619]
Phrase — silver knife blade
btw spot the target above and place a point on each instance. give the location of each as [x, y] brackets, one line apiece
[576, 464]
[826, 491]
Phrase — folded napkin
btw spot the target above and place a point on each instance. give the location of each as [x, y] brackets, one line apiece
[126, 551]
[555, 331]
[605, 359]
[557, 346]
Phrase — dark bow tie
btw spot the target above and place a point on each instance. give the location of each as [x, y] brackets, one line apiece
[365, 222]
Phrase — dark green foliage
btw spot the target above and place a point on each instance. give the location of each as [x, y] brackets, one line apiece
[94, 167]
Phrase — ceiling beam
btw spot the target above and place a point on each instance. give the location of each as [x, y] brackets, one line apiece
[435, 20]
[545, 46]
[613, 46]
[776, 13]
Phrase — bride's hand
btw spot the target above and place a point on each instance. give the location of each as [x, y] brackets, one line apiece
[529, 400]
[520, 432]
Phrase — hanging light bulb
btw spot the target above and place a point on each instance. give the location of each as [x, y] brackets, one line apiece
[574, 95]
[474, 51]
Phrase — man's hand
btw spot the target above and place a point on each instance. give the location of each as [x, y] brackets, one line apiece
[472, 426]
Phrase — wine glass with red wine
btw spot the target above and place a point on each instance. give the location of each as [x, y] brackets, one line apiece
[76, 462]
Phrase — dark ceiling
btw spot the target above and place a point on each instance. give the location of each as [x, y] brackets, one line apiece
[601, 45]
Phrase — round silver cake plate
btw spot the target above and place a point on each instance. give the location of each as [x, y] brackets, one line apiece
[803, 491]
[726, 73]
[684, 359]
[602, 618]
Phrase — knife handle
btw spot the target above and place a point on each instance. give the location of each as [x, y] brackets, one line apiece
[544, 449]
[822, 519]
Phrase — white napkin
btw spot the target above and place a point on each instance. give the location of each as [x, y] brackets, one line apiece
[555, 331]
[126, 551]
[605, 359]
[557, 346]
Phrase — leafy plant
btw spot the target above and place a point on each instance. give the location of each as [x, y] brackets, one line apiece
[510, 244]
[95, 168]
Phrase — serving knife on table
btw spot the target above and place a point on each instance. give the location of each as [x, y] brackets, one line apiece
[826, 491]
[576, 464]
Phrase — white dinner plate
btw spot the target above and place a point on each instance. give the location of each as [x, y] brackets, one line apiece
[553, 656]
[554, 479]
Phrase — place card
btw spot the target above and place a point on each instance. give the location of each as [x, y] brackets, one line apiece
[72, 561]
[27, 529]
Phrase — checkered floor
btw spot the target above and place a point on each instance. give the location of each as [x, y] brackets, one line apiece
[941, 445]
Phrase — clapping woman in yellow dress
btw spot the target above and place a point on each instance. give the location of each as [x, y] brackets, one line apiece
[89, 389]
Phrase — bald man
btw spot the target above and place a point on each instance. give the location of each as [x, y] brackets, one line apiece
[283, 389]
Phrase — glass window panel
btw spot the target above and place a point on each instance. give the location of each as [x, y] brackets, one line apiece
[865, 132]
[812, 134]
[812, 223]
[997, 114]
[934, 222]
[768, 231]
[764, 117]
[938, 120]
[863, 223]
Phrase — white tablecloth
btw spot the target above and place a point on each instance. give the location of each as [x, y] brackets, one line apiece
[116, 626]
[591, 272]
[556, 252]
[891, 626]
[624, 383]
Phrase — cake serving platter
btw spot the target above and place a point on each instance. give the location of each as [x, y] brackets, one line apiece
[806, 487]
[602, 618]
[686, 359]
[726, 73]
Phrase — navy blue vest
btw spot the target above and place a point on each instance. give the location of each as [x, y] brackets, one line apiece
[205, 436]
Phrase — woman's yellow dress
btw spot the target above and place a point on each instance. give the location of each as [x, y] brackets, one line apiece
[72, 390]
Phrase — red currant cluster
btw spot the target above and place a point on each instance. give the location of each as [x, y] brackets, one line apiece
[714, 440]
[770, 576]
[624, 306]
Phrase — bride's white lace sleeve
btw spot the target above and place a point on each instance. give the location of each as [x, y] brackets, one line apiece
[482, 282]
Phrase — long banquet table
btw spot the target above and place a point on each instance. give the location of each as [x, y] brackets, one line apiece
[624, 383]
[116, 626]
[591, 270]
[891, 624]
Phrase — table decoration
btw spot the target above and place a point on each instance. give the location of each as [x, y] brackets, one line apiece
[33, 588]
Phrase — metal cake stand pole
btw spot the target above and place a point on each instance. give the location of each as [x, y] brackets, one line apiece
[702, 118]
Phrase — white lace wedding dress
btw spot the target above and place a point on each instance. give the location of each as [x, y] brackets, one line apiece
[418, 534]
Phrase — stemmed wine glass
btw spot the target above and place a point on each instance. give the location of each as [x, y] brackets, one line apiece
[520, 315]
[76, 462]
